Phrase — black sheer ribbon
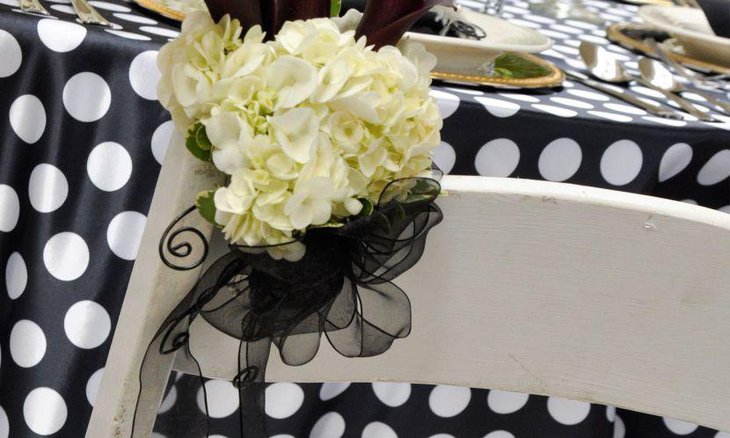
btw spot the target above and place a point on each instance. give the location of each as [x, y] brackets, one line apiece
[342, 289]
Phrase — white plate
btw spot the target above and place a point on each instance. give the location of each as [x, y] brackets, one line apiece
[691, 28]
[467, 56]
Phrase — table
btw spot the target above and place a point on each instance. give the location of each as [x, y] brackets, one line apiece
[84, 134]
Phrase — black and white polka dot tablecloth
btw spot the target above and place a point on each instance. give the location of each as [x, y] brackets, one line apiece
[81, 141]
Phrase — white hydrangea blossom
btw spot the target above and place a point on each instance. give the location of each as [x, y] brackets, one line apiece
[305, 126]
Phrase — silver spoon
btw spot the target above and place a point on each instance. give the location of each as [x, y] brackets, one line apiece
[697, 79]
[603, 66]
[658, 75]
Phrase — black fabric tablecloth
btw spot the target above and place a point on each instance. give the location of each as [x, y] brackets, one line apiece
[81, 140]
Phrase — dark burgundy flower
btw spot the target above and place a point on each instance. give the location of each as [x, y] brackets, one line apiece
[385, 21]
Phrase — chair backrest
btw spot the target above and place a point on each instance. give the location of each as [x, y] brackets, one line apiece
[555, 289]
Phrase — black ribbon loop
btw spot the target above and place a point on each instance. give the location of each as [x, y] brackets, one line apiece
[342, 289]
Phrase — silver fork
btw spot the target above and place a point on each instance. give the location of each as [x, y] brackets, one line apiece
[87, 14]
[33, 7]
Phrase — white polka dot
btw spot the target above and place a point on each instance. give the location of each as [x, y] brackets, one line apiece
[679, 427]
[12, 55]
[449, 401]
[110, 6]
[44, 411]
[594, 39]
[286, 399]
[520, 97]
[128, 35]
[92, 386]
[539, 19]
[144, 75]
[87, 97]
[718, 435]
[468, 91]
[330, 425]
[555, 110]
[444, 156]
[663, 121]
[109, 166]
[159, 435]
[330, 390]
[28, 118]
[87, 324]
[581, 24]
[675, 160]
[626, 109]
[506, 402]
[567, 49]
[134, 18]
[560, 159]
[161, 140]
[611, 413]
[725, 209]
[592, 95]
[4, 424]
[611, 116]
[392, 394]
[621, 162]
[169, 401]
[498, 108]
[124, 234]
[716, 169]
[553, 34]
[689, 201]
[66, 9]
[66, 256]
[47, 188]
[447, 102]
[27, 343]
[61, 36]
[648, 92]
[499, 434]
[275, 436]
[498, 157]
[572, 102]
[16, 276]
[619, 429]
[222, 398]
[568, 412]
[441, 435]
[377, 429]
[566, 29]
[9, 208]
[160, 31]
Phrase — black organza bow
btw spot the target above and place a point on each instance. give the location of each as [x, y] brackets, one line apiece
[342, 288]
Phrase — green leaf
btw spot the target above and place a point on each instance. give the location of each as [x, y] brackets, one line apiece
[198, 143]
[206, 206]
[367, 207]
[335, 8]
[511, 65]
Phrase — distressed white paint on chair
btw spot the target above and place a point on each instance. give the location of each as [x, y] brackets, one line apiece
[526, 286]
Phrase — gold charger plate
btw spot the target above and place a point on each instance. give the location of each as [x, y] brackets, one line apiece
[512, 70]
[618, 34]
[174, 9]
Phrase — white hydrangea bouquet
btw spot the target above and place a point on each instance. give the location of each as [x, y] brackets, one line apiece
[323, 128]
[309, 126]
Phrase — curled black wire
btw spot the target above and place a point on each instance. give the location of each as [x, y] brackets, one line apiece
[182, 249]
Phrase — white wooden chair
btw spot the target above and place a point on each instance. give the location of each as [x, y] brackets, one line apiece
[526, 286]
